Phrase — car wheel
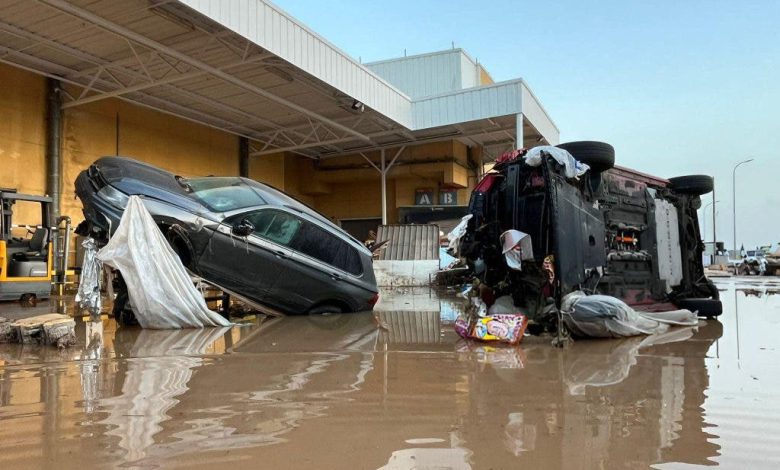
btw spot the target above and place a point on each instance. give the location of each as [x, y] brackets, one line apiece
[693, 184]
[708, 308]
[325, 309]
[599, 156]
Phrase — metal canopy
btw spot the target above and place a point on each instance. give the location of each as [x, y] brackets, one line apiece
[169, 56]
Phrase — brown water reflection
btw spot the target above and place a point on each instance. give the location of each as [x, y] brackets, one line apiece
[392, 390]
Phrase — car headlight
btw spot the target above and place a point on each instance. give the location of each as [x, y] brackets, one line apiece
[114, 196]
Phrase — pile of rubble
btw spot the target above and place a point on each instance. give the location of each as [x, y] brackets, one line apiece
[51, 329]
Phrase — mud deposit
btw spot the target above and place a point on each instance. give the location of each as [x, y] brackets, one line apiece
[396, 389]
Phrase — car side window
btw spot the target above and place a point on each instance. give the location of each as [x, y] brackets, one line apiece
[328, 248]
[276, 226]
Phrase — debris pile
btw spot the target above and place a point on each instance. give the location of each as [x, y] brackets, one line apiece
[549, 231]
[51, 329]
[507, 325]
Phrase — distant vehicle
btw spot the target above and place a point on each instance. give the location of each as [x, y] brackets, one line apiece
[613, 231]
[762, 261]
[239, 234]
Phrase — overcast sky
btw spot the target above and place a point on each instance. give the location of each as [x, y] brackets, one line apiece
[678, 87]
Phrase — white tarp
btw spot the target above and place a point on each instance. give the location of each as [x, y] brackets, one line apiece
[161, 292]
[602, 316]
[573, 168]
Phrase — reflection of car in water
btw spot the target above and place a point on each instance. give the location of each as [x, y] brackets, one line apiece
[612, 231]
[242, 235]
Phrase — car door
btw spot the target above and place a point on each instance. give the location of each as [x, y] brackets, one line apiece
[319, 270]
[251, 265]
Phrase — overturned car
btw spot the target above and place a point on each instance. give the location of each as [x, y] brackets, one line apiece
[589, 226]
[241, 235]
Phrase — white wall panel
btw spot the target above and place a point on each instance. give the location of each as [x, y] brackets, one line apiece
[538, 117]
[286, 37]
[418, 92]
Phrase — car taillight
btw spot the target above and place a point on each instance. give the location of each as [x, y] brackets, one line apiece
[374, 300]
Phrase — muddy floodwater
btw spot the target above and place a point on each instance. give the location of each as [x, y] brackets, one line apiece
[397, 389]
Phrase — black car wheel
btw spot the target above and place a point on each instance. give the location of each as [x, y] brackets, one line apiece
[708, 308]
[325, 309]
[693, 184]
[599, 156]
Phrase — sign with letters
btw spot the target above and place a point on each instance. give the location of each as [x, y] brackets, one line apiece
[423, 197]
[448, 197]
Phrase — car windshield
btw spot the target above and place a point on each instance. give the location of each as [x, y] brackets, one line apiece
[223, 194]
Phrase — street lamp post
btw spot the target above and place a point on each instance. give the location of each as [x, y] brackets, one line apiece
[734, 200]
[704, 220]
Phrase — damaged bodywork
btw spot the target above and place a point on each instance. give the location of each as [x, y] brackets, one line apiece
[593, 227]
[237, 233]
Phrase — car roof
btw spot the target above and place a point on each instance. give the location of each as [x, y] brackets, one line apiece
[123, 167]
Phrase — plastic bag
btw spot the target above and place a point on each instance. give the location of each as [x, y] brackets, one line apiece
[161, 292]
[504, 328]
[573, 168]
[88, 295]
[503, 305]
[457, 233]
[602, 316]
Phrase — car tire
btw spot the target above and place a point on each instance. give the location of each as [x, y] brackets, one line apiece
[695, 185]
[325, 309]
[709, 308]
[599, 156]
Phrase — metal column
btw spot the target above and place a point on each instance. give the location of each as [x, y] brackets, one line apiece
[384, 168]
[53, 136]
[383, 176]
[714, 238]
[243, 157]
[519, 131]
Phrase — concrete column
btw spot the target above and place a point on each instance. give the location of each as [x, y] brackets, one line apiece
[243, 157]
[519, 131]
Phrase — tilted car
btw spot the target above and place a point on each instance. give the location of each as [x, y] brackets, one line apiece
[610, 231]
[244, 236]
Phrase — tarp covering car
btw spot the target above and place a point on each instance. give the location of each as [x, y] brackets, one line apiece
[161, 292]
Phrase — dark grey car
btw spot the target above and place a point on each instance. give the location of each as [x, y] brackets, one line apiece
[245, 236]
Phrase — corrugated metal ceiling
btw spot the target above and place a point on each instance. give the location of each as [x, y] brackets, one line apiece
[164, 55]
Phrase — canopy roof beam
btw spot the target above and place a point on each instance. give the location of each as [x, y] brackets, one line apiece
[154, 45]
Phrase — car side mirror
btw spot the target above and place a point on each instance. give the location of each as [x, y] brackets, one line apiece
[243, 228]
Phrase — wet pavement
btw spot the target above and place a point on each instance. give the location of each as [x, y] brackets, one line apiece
[397, 389]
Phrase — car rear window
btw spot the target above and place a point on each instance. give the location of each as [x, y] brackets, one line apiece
[320, 244]
[224, 194]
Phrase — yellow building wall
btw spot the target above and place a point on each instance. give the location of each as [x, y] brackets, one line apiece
[182, 147]
[268, 169]
[23, 136]
[351, 201]
[176, 145]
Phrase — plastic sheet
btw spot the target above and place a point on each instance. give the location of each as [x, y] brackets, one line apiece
[602, 316]
[573, 168]
[88, 295]
[457, 233]
[161, 292]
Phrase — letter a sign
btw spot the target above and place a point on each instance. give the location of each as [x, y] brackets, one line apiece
[423, 197]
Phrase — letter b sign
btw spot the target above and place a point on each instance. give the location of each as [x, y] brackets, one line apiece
[448, 198]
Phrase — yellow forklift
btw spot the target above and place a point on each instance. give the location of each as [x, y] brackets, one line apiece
[25, 249]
